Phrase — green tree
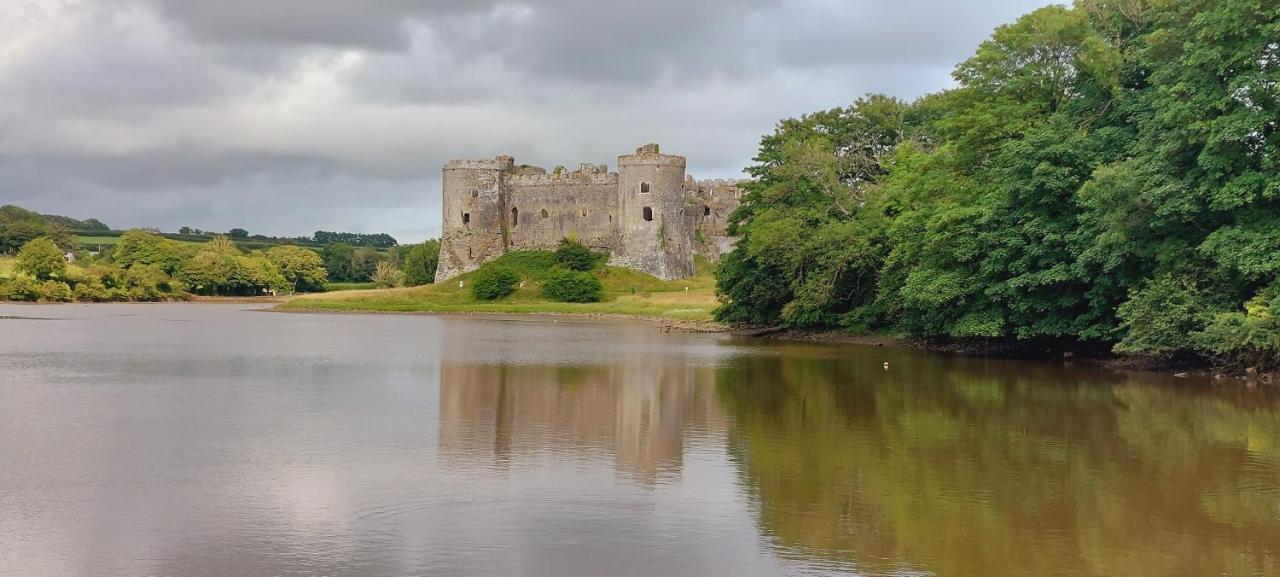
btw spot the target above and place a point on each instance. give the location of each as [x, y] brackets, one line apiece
[42, 259]
[386, 275]
[420, 263]
[337, 261]
[303, 269]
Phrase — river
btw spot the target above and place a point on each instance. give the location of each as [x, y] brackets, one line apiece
[218, 440]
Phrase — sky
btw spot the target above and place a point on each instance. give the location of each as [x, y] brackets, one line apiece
[285, 117]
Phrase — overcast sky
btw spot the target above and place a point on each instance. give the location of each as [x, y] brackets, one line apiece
[287, 116]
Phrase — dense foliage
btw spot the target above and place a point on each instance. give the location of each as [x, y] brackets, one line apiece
[493, 282]
[574, 255]
[419, 262]
[380, 240]
[572, 286]
[19, 226]
[1106, 173]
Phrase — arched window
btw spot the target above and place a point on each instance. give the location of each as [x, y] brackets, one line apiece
[648, 214]
[545, 214]
[515, 216]
[584, 213]
[706, 210]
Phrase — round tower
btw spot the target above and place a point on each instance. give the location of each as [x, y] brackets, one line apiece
[651, 205]
[473, 227]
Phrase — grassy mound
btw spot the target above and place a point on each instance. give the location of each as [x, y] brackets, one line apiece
[626, 292]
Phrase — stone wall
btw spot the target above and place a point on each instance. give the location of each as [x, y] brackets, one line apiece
[649, 216]
[545, 208]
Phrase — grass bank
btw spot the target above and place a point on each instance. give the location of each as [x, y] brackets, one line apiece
[6, 266]
[626, 293]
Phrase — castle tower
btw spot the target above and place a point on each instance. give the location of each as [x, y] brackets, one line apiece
[651, 206]
[474, 224]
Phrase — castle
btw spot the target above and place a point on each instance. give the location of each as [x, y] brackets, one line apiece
[648, 216]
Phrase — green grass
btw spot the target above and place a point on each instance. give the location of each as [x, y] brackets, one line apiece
[7, 263]
[334, 287]
[627, 292]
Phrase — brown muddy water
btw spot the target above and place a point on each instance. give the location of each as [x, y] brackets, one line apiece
[194, 440]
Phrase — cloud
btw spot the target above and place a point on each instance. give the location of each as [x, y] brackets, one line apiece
[285, 117]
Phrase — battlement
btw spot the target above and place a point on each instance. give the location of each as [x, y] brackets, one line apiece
[645, 214]
[499, 163]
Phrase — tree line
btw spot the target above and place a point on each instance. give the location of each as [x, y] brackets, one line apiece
[1102, 174]
[144, 266]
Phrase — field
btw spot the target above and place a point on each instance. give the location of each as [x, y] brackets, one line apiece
[627, 292]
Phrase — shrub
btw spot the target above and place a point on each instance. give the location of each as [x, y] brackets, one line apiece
[571, 286]
[574, 255]
[20, 288]
[1160, 317]
[55, 291]
[492, 282]
[386, 275]
[91, 292]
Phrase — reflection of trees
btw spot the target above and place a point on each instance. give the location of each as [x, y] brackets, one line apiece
[970, 467]
[638, 413]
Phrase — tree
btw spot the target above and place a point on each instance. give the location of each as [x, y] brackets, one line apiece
[138, 247]
[364, 262]
[420, 263]
[303, 269]
[42, 259]
[337, 260]
[238, 233]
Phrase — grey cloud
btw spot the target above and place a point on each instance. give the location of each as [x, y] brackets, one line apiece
[288, 116]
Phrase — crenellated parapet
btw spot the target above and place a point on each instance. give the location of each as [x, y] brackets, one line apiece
[649, 215]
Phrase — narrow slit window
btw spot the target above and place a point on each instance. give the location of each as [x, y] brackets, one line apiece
[706, 211]
[515, 216]
[648, 214]
[584, 213]
[644, 188]
[466, 218]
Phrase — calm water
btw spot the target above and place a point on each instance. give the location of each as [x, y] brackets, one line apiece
[189, 440]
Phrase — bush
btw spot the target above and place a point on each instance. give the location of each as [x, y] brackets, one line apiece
[571, 286]
[91, 292]
[55, 291]
[386, 275]
[492, 282]
[574, 255]
[1160, 317]
[19, 288]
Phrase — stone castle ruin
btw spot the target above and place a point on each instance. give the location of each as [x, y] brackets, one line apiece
[649, 216]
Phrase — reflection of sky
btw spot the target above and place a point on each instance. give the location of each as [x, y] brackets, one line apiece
[200, 440]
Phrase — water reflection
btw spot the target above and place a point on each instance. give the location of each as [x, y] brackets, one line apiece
[242, 443]
[969, 467]
[637, 413]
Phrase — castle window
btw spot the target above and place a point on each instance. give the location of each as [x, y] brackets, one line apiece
[648, 214]
[644, 188]
[584, 213]
[466, 218]
[706, 210]
[515, 216]
[475, 192]
[545, 214]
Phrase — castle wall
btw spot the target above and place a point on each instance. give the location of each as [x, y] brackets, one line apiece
[655, 236]
[550, 207]
[648, 215]
[473, 228]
